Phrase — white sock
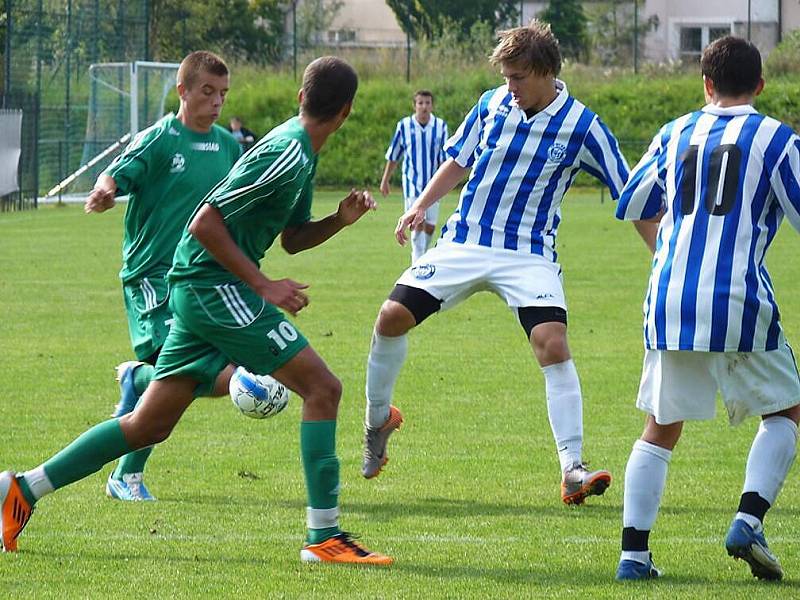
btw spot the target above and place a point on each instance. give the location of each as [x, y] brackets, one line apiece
[38, 482]
[322, 518]
[642, 556]
[565, 410]
[771, 455]
[386, 358]
[645, 476]
[419, 245]
[428, 237]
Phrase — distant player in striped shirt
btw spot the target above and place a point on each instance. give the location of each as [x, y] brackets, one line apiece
[522, 146]
[718, 182]
[419, 142]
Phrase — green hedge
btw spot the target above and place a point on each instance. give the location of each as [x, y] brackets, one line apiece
[634, 107]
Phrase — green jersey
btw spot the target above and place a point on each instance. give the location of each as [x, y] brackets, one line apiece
[166, 170]
[268, 189]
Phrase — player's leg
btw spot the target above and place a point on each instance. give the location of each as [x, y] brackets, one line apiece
[429, 225]
[307, 375]
[764, 383]
[450, 274]
[161, 407]
[675, 387]
[645, 478]
[546, 328]
[259, 337]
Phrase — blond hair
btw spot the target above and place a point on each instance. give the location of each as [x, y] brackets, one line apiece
[534, 46]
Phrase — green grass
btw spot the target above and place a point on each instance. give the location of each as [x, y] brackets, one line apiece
[469, 504]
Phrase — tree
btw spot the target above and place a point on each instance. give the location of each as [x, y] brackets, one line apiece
[568, 22]
[251, 30]
[613, 30]
[314, 17]
[427, 19]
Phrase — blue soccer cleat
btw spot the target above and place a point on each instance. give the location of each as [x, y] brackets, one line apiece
[127, 391]
[130, 488]
[633, 570]
[743, 542]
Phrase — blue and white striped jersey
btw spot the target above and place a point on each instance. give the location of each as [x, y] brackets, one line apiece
[522, 167]
[725, 177]
[422, 149]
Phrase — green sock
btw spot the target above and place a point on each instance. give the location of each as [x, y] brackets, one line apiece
[133, 462]
[321, 466]
[142, 375]
[87, 454]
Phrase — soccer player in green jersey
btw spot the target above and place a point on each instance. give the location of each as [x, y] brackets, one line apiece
[226, 310]
[165, 171]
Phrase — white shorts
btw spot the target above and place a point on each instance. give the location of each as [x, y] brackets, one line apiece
[681, 385]
[431, 215]
[452, 272]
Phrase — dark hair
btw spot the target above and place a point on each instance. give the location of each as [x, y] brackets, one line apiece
[733, 64]
[426, 93]
[329, 83]
[199, 61]
[535, 46]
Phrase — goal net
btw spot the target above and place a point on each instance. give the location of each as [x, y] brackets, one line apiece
[124, 98]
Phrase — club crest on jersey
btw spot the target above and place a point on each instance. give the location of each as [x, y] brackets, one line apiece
[178, 163]
[423, 271]
[557, 152]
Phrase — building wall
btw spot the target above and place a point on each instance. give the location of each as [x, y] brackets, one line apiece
[790, 16]
[373, 22]
[681, 20]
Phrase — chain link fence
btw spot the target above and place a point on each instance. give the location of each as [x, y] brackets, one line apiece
[48, 46]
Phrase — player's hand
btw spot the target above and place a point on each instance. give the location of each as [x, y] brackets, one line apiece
[99, 200]
[355, 205]
[286, 294]
[413, 219]
[385, 189]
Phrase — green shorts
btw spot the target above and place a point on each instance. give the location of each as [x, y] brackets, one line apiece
[149, 315]
[227, 323]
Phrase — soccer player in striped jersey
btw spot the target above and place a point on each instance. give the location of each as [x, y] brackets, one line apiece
[718, 183]
[419, 142]
[226, 309]
[522, 146]
[165, 171]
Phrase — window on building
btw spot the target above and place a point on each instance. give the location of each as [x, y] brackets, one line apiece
[696, 37]
[338, 36]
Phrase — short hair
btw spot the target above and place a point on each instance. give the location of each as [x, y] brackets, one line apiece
[534, 45]
[329, 83]
[426, 93]
[198, 62]
[733, 64]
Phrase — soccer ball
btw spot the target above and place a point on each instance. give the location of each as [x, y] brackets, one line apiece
[257, 396]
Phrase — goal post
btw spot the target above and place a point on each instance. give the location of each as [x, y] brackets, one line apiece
[124, 98]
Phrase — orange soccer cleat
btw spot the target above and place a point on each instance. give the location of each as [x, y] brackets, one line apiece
[579, 483]
[14, 510]
[342, 548]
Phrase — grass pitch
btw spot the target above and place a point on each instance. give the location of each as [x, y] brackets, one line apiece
[469, 505]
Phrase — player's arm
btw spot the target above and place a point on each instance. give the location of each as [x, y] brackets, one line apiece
[388, 170]
[307, 235]
[208, 227]
[648, 231]
[445, 179]
[101, 198]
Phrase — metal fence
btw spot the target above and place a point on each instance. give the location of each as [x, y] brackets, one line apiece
[48, 47]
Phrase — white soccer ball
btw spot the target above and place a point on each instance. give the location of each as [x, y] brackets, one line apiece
[257, 396]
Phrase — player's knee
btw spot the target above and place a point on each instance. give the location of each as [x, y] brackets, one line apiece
[406, 307]
[140, 433]
[326, 393]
